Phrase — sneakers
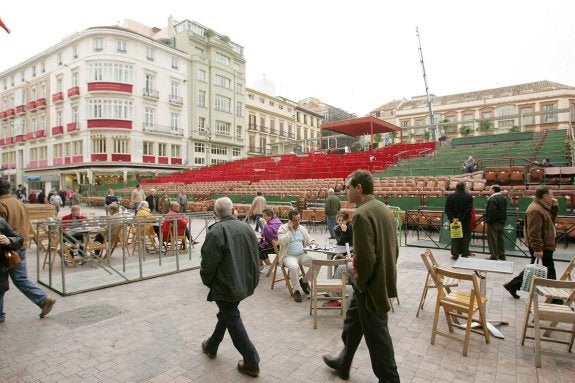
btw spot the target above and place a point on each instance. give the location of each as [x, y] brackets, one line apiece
[265, 269]
[304, 286]
[297, 296]
[251, 371]
[47, 307]
[211, 355]
[512, 291]
[332, 304]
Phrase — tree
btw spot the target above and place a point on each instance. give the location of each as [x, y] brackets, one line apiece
[484, 126]
[515, 129]
[465, 130]
[411, 135]
[426, 135]
[393, 136]
[377, 139]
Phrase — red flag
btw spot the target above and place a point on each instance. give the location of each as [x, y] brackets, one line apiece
[4, 26]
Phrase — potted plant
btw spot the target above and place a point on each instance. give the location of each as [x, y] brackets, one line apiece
[426, 135]
[484, 126]
[465, 130]
[515, 129]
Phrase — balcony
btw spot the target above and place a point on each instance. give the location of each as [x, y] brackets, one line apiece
[109, 124]
[253, 127]
[2, 115]
[9, 112]
[149, 159]
[72, 127]
[109, 87]
[99, 157]
[19, 138]
[2, 141]
[176, 100]
[20, 109]
[58, 97]
[163, 160]
[58, 161]
[57, 130]
[31, 105]
[151, 93]
[41, 103]
[9, 140]
[176, 161]
[74, 92]
[121, 157]
[30, 136]
[40, 134]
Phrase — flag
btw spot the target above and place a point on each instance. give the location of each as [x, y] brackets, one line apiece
[4, 26]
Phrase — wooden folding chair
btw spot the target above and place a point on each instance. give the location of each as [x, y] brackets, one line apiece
[431, 279]
[322, 285]
[285, 271]
[459, 305]
[176, 239]
[556, 314]
[141, 235]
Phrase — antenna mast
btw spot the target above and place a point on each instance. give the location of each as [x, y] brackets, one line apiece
[431, 122]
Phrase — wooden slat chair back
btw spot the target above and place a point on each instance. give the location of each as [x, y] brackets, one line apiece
[320, 286]
[460, 305]
[175, 240]
[284, 271]
[141, 235]
[120, 235]
[557, 315]
[431, 281]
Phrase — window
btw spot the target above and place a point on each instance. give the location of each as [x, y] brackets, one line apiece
[527, 116]
[219, 150]
[122, 46]
[75, 51]
[222, 103]
[201, 124]
[223, 128]
[59, 118]
[59, 85]
[199, 161]
[505, 110]
[404, 124]
[239, 132]
[199, 51]
[176, 151]
[199, 147]
[43, 67]
[222, 58]
[148, 148]
[239, 88]
[552, 115]
[121, 145]
[110, 72]
[236, 152]
[175, 123]
[202, 98]
[58, 60]
[98, 45]
[115, 109]
[202, 75]
[239, 108]
[75, 79]
[150, 84]
[162, 152]
[487, 115]
[150, 54]
[175, 63]
[175, 91]
[75, 114]
[222, 81]
[33, 71]
[149, 118]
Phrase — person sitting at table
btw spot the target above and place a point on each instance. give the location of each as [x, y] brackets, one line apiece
[143, 212]
[292, 239]
[71, 228]
[115, 215]
[343, 231]
[343, 235]
[180, 221]
[269, 234]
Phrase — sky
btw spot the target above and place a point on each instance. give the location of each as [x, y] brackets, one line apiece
[355, 55]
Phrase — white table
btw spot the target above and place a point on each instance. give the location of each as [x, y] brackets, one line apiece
[331, 252]
[482, 267]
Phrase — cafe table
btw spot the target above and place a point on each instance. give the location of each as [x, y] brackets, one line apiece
[330, 252]
[481, 267]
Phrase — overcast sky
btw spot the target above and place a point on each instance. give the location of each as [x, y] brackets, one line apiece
[355, 55]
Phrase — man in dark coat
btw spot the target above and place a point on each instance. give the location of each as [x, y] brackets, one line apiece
[458, 208]
[230, 268]
[495, 217]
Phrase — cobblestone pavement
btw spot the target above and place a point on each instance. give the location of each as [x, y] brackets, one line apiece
[151, 331]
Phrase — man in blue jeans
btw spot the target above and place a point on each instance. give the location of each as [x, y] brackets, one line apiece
[16, 214]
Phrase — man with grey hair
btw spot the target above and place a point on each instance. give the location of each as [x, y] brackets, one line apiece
[332, 207]
[230, 268]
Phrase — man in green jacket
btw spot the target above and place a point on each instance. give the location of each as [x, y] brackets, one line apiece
[230, 268]
[375, 255]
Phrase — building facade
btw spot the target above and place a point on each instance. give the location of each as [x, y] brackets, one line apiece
[112, 104]
[526, 107]
[277, 125]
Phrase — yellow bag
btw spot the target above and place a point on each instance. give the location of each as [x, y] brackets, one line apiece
[456, 230]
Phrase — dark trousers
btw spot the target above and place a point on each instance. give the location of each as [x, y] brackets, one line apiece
[265, 252]
[547, 260]
[461, 245]
[496, 240]
[229, 318]
[360, 322]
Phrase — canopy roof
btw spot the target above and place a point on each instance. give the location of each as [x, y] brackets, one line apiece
[361, 126]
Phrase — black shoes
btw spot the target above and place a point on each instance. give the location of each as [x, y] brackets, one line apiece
[333, 363]
[297, 296]
[304, 286]
[205, 350]
[454, 257]
[512, 291]
[251, 371]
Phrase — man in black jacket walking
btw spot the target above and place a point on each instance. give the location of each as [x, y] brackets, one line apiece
[495, 217]
[458, 207]
[230, 268]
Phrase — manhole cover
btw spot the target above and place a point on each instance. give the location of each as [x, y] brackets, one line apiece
[88, 314]
[411, 265]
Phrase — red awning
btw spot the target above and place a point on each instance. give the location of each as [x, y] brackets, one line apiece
[361, 126]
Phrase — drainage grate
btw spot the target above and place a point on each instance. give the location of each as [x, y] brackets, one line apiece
[411, 265]
[88, 314]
